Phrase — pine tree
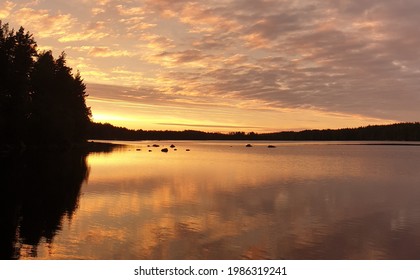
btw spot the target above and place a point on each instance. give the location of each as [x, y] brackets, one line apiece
[41, 101]
[59, 113]
[17, 53]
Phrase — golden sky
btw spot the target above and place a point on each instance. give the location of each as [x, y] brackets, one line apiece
[230, 65]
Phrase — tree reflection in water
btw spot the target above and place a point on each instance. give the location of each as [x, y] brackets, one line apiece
[39, 190]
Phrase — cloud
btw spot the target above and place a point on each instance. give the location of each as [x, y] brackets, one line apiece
[158, 43]
[103, 51]
[198, 17]
[134, 24]
[43, 22]
[212, 42]
[183, 57]
[357, 58]
[87, 35]
[207, 125]
[130, 11]
[150, 108]
[6, 8]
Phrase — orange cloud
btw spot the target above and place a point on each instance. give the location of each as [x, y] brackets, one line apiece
[256, 40]
[133, 11]
[136, 24]
[43, 23]
[82, 36]
[158, 43]
[200, 18]
[102, 51]
[322, 56]
[6, 8]
[96, 11]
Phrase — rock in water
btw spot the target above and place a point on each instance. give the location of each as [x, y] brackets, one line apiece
[165, 150]
[248, 145]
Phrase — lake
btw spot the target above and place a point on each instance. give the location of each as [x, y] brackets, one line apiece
[219, 200]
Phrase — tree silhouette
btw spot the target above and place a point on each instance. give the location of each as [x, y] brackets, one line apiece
[393, 132]
[41, 101]
[59, 112]
[17, 52]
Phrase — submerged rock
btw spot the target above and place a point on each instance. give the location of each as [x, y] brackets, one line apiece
[172, 146]
[248, 145]
[165, 150]
[271, 146]
[187, 150]
[155, 145]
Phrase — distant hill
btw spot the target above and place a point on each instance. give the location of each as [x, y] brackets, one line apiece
[392, 132]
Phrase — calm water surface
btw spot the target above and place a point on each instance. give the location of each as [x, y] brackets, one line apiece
[221, 200]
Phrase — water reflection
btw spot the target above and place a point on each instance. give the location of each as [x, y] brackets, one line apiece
[40, 191]
[219, 201]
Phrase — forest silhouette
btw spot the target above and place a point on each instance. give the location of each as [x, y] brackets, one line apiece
[42, 103]
[392, 132]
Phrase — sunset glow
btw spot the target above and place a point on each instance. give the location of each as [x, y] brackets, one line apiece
[235, 65]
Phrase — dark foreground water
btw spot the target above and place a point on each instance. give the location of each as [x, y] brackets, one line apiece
[220, 200]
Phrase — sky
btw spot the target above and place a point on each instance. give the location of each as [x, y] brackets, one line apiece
[235, 65]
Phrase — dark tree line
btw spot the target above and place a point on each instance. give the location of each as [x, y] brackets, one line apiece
[41, 101]
[393, 132]
[106, 131]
